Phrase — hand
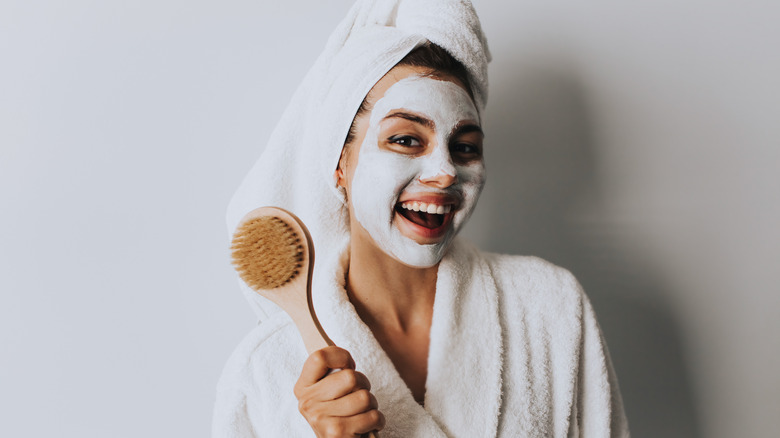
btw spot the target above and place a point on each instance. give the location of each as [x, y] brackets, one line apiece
[336, 405]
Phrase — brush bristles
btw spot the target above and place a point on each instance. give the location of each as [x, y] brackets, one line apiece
[267, 253]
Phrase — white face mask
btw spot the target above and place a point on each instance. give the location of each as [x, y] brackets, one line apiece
[382, 177]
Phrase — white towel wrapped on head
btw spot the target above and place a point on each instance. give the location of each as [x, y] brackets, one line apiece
[295, 171]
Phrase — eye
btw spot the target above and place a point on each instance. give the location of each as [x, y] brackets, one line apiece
[464, 148]
[405, 140]
[463, 151]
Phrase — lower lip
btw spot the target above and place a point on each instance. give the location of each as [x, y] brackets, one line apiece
[432, 234]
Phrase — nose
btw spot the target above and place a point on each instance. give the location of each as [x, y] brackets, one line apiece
[438, 169]
[440, 180]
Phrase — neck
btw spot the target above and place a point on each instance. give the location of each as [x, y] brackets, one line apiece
[386, 293]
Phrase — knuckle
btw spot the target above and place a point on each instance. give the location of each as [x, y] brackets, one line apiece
[318, 418]
[334, 429]
[363, 398]
[348, 377]
[305, 406]
[298, 390]
[342, 356]
[318, 358]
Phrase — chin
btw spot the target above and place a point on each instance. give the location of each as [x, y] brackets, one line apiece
[421, 256]
[418, 250]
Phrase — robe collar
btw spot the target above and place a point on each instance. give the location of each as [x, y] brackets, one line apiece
[463, 387]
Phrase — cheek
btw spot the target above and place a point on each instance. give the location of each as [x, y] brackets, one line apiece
[472, 177]
[378, 181]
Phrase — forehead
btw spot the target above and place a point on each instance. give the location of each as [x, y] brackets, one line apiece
[443, 101]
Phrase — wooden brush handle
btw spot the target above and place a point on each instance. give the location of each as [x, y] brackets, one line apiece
[294, 296]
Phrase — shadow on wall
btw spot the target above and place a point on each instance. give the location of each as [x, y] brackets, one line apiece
[544, 199]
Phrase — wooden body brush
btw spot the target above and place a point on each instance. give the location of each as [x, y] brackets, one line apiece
[273, 253]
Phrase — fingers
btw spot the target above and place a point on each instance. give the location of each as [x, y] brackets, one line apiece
[351, 404]
[353, 426]
[320, 362]
[368, 421]
[338, 404]
[336, 385]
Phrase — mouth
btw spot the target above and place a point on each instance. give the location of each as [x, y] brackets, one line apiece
[429, 220]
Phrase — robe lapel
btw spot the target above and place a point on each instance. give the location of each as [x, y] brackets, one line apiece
[464, 364]
[463, 390]
[404, 416]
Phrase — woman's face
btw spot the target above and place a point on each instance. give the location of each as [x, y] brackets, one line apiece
[415, 169]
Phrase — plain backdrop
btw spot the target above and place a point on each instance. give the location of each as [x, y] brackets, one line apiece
[635, 143]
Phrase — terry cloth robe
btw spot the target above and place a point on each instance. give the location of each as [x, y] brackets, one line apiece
[515, 351]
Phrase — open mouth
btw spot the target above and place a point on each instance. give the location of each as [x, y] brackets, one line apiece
[430, 216]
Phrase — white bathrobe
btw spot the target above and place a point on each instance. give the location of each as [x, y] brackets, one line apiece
[515, 351]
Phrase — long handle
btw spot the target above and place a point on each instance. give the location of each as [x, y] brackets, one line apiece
[313, 334]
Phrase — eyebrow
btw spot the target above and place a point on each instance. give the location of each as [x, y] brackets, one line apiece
[465, 129]
[428, 123]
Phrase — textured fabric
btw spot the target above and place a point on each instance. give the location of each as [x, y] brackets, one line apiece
[515, 351]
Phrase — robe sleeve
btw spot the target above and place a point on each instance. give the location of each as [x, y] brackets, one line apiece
[254, 397]
[231, 419]
[597, 410]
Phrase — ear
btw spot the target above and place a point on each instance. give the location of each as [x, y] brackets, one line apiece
[339, 177]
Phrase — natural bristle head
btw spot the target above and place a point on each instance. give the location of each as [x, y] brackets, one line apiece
[267, 252]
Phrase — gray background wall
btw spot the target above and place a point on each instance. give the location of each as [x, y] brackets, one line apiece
[635, 143]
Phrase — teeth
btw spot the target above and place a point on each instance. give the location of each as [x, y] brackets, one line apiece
[427, 208]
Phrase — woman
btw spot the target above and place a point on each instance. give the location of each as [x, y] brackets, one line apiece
[436, 338]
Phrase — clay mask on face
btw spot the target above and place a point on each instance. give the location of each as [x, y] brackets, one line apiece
[383, 176]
